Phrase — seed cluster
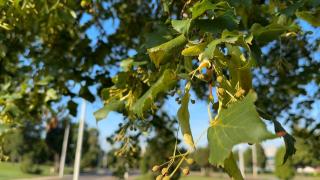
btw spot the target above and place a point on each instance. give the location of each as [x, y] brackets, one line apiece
[164, 169]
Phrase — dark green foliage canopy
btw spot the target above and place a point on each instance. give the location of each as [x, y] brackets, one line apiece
[46, 57]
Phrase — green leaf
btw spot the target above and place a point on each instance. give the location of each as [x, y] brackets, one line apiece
[164, 52]
[288, 140]
[86, 94]
[239, 123]
[72, 106]
[105, 94]
[166, 5]
[201, 7]
[311, 17]
[13, 109]
[182, 26]
[217, 25]
[159, 34]
[230, 166]
[281, 132]
[226, 37]
[291, 9]
[127, 64]
[184, 120]
[268, 33]
[51, 94]
[111, 106]
[194, 50]
[167, 80]
[45, 81]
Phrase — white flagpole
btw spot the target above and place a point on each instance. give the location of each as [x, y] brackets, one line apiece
[254, 161]
[64, 150]
[241, 161]
[79, 142]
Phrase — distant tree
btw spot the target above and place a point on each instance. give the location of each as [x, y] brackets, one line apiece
[91, 157]
[117, 165]
[261, 157]
[28, 164]
[201, 156]
[26, 139]
[308, 145]
[14, 149]
[25, 145]
[283, 171]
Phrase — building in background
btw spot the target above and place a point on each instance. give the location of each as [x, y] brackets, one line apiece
[270, 153]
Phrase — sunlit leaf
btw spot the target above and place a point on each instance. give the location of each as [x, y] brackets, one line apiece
[184, 120]
[194, 50]
[200, 7]
[51, 94]
[108, 107]
[239, 123]
[164, 52]
[182, 26]
[45, 80]
[127, 64]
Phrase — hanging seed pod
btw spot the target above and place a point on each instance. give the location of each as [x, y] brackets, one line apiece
[219, 79]
[164, 171]
[155, 168]
[186, 171]
[166, 178]
[221, 91]
[190, 161]
[159, 177]
[239, 93]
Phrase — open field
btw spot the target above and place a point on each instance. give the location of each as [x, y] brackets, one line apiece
[12, 171]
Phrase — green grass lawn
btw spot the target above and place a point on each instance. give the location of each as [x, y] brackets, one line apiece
[12, 171]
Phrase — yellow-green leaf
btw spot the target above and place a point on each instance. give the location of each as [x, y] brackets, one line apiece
[184, 118]
[194, 50]
[164, 52]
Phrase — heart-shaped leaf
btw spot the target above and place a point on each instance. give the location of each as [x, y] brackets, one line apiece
[239, 123]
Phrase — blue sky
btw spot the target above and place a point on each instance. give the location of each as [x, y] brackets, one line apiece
[198, 112]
